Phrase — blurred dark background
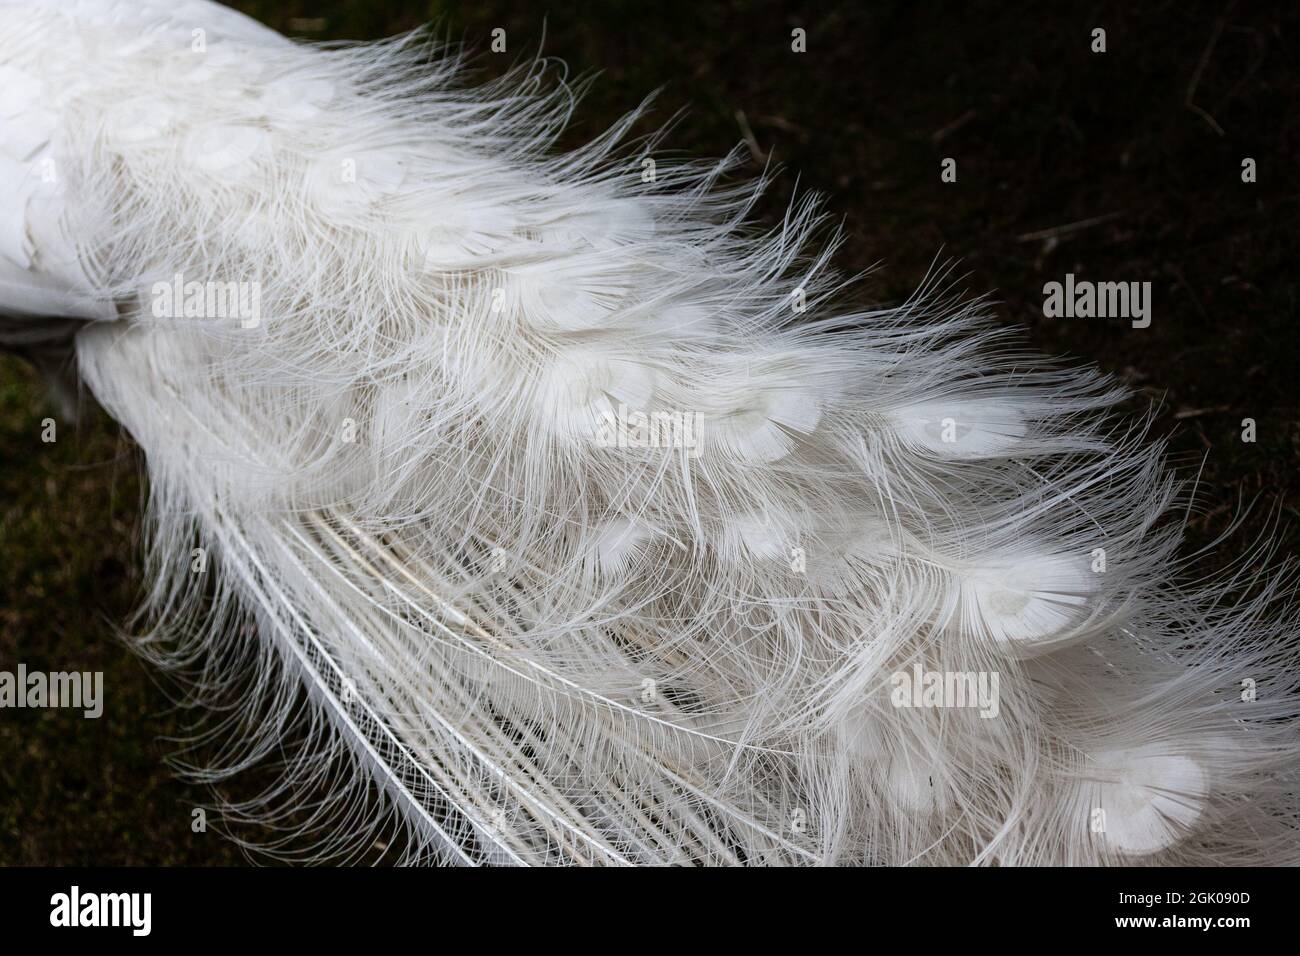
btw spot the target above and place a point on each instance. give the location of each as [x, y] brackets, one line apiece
[1143, 145]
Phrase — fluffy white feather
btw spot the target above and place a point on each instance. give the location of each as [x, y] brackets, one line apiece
[512, 641]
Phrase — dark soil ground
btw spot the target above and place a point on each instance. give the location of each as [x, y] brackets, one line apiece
[1143, 144]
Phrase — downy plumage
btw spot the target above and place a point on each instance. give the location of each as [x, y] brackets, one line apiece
[554, 514]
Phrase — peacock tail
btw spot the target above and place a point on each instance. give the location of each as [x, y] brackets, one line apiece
[535, 507]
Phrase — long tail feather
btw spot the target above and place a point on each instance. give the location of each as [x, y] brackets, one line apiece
[579, 522]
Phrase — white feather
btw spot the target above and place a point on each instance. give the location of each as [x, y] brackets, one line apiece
[520, 642]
